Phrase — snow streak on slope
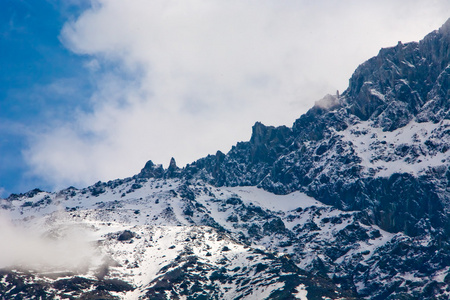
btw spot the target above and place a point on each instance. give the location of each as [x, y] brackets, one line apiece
[414, 148]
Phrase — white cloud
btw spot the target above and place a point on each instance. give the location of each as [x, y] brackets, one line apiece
[65, 247]
[186, 78]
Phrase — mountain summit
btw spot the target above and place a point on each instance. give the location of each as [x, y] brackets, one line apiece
[376, 149]
[350, 202]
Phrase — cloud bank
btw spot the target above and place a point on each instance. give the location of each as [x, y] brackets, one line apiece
[187, 78]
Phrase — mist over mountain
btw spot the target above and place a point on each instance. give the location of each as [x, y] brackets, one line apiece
[351, 202]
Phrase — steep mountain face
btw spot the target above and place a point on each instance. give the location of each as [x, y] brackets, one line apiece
[351, 202]
[381, 147]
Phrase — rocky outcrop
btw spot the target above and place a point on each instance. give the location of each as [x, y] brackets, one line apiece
[403, 84]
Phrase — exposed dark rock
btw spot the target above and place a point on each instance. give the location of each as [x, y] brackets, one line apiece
[151, 170]
[126, 235]
[172, 171]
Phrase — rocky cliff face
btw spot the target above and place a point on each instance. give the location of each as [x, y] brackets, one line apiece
[380, 147]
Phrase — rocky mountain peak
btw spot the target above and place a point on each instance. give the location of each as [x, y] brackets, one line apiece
[337, 153]
[402, 83]
[151, 170]
[445, 28]
[172, 164]
[173, 170]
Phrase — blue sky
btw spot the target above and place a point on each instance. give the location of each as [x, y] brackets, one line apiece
[32, 59]
[90, 90]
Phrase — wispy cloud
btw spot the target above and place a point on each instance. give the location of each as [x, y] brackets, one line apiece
[186, 78]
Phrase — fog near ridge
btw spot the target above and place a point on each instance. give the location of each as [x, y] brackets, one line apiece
[64, 248]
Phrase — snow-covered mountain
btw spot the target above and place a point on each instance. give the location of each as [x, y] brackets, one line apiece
[169, 237]
[351, 202]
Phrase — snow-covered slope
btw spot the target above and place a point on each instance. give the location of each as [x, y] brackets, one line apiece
[169, 238]
[172, 239]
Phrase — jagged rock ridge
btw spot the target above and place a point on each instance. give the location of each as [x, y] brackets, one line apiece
[406, 85]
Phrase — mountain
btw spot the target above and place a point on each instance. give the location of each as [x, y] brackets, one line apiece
[350, 202]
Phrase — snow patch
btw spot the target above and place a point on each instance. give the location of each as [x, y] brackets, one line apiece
[302, 292]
